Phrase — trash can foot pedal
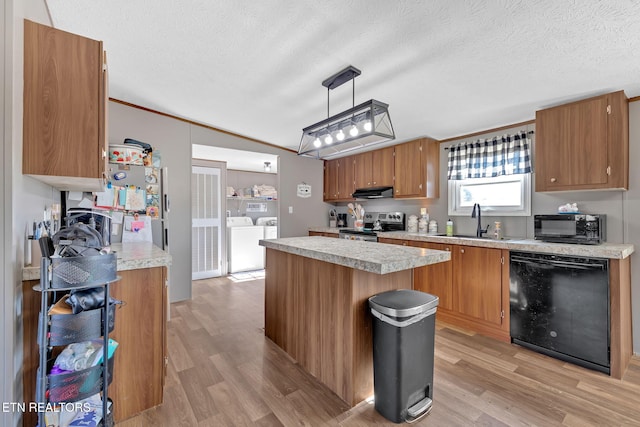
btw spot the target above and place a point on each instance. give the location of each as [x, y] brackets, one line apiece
[419, 410]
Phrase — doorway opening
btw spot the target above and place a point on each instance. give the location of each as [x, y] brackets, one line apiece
[248, 200]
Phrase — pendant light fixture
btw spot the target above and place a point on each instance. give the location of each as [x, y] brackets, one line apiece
[360, 126]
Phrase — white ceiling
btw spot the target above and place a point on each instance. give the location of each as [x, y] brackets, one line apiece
[445, 67]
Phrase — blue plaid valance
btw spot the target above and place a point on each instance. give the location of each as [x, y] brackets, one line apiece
[486, 158]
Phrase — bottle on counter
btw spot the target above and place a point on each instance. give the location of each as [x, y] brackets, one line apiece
[423, 225]
[449, 228]
[497, 231]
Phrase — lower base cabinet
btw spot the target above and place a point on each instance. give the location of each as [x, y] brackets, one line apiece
[435, 279]
[140, 330]
[320, 233]
[473, 287]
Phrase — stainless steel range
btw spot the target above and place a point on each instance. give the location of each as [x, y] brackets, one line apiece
[373, 223]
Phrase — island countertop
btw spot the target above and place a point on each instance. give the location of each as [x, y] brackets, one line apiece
[374, 258]
[131, 256]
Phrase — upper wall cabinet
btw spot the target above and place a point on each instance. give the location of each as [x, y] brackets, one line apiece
[374, 168]
[65, 104]
[416, 169]
[583, 145]
[338, 179]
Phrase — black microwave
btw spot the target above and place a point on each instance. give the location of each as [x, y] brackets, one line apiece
[571, 228]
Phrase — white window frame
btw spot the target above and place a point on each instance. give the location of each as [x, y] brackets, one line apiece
[487, 210]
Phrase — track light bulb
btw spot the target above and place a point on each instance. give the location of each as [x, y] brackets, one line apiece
[353, 131]
[317, 142]
[328, 139]
[367, 126]
[340, 135]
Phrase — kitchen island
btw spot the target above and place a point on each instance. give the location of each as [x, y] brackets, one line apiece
[316, 309]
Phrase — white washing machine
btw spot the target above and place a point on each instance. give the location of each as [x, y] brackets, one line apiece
[244, 253]
[270, 224]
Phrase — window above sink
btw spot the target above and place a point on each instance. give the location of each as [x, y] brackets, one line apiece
[508, 195]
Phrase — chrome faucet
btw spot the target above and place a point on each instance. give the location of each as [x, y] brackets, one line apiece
[479, 230]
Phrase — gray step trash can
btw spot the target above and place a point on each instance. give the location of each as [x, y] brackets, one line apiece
[403, 345]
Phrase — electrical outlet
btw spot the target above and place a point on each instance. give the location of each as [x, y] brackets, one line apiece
[290, 209]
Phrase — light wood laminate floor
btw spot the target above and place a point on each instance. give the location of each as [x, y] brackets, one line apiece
[223, 371]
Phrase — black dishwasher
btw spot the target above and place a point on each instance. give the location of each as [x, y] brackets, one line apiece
[560, 307]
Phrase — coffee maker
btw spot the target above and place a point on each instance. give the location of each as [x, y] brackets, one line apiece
[342, 220]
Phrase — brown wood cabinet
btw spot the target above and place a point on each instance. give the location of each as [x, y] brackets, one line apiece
[583, 145]
[393, 241]
[65, 104]
[473, 287]
[416, 169]
[411, 168]
[435, 279]
[320, 233]
[141, 333]
[477, 283]
[338, 179]
[374, 168]
[330, 180]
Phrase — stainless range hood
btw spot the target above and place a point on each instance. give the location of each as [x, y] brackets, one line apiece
[373, 193]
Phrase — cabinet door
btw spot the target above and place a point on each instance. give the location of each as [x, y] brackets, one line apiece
[362, 167]
[393, 241]
[345, 178]
[408, 170]
[571, 146]
[431, 167]
[331, 180]
[477, 282]
[382, 167]
[64, 106]
[140, 330]
[435, 279]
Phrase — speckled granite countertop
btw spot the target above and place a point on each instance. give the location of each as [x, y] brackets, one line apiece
[367, 256]
[605, 250]
[131, 256]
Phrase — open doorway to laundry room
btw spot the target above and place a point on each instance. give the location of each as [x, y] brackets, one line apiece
[249, 202]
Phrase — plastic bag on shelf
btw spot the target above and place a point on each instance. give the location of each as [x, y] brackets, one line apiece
[82, 355]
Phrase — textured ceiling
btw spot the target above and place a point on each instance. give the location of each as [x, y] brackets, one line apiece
[445, 67]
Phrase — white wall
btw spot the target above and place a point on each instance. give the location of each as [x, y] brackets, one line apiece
[173, 138]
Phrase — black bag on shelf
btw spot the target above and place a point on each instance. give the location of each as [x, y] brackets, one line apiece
[88, 299]
[78, 240]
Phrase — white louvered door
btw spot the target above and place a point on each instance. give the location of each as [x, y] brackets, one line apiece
[207, 222]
